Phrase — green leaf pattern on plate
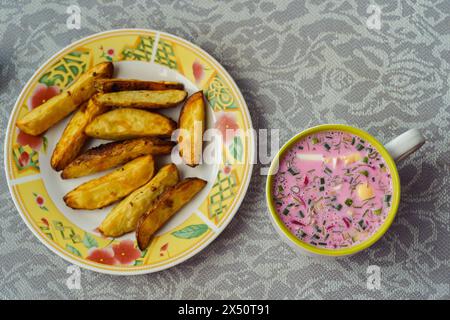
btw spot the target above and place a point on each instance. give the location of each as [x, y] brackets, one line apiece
[89, 241]
[73, 250]
[192, 231]
[236, 148]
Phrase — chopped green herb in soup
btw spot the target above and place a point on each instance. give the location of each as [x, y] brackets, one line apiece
[332, 189]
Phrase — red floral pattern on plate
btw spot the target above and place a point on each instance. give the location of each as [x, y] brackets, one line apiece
[122, 253]
[226, 169]
[108, 54]
[24, 139]
[227, 125]
[198, 70]
[104, 256]
[163, 249]
[41, 94]
[125, 252]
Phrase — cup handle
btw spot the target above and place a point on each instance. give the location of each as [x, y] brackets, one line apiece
[405, 144]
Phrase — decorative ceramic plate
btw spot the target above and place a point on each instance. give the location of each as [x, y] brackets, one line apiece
[37, 190]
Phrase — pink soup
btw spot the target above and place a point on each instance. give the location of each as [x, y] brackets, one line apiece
[332, 190]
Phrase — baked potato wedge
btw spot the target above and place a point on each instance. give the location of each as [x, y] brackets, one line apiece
[73, 137]
[165, 207]
[124, 217]
[142, 99]
[58, 107]
[113, 154]
[126, 123]
[115, 85]
[100, 192]
[191, 128]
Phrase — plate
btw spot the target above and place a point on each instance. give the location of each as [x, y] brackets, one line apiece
[37, 190]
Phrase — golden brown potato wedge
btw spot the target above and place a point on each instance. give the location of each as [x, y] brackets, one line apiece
[142, 99]
[127, 123]
[192, 126]
[113, 154]
[115, 85]
[57, 108]
[165, 207]
[124, 217]
[73, 137]
[100, 192]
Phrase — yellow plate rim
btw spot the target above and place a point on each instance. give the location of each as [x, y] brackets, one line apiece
[214, 234]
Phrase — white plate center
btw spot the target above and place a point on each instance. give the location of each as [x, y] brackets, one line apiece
[89, 220]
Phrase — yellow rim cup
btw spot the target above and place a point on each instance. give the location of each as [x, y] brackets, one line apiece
[313, 250]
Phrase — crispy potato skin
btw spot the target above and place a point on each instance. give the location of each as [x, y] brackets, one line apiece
[73, 137]
[113, 154]
[165, 207]
[142, 99]
[124, 217]
[127, 123]
[57, 108]
[192, 126]
[100, 192]
[115, 85]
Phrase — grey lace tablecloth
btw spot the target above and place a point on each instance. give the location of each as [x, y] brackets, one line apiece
[298, 64]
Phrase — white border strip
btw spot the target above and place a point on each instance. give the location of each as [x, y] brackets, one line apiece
[155, 47]
[207, 221]
[25, 179]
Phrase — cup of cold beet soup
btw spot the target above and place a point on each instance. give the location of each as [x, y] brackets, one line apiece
[334, 190]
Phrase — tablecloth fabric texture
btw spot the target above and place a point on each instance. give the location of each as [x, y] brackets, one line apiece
[298, 64]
